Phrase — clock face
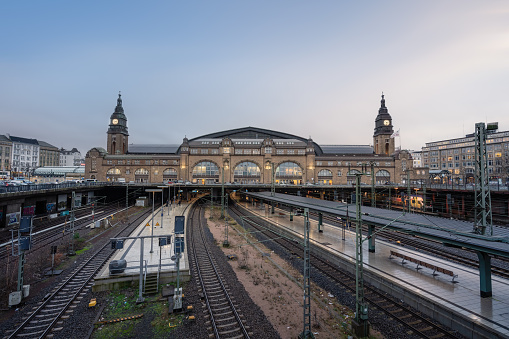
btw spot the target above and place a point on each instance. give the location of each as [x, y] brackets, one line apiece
[114, 121]
[387, 122]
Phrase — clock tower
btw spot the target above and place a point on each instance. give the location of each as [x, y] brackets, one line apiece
[382, 141]
[117, 131]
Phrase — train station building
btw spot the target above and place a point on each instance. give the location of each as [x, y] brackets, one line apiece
[250, 155]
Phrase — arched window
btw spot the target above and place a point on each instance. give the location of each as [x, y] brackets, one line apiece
[113, 171]
[288, 169]
[205, 169]
[141, 175]
[353, 172]
[247, 169]
[170, 171]
[382, 177]
[247, 173]
[325, 173]
[289, 173]
[350, 176]
[383, 173]
[325, 177]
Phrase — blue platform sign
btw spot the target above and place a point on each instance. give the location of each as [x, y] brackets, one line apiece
[179, 224]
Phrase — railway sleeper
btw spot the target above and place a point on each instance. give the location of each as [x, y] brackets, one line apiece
[223, 314]
[47, 314]
[226, 326]
[35, 327]
[217, 309]
[230, 331]
[40, 321]
[28, 334]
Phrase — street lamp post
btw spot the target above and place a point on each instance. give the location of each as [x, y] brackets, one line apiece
[153, 205]
[162, 203]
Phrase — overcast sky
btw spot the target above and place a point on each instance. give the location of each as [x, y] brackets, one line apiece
[309, 68]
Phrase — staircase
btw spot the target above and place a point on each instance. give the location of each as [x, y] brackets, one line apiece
[151, 286]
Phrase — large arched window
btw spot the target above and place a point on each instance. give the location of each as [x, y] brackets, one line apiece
[288, 169]
[289, 173]
[353, 172]
[247, 169]
[350, 176]
[205, 172]
[325, 177]
[169, 174]
[141, 175]
[113, 171]
[325, 173]
[382, 177]
[247, 173]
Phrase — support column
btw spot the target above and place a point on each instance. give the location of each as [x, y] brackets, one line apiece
[371, 237]
[140, 295]
[291, 213]
[272, 207]
[485, 274]
[322, 193]
[320, 222]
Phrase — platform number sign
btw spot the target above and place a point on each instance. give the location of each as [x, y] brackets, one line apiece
[179, 224]
[179, 245]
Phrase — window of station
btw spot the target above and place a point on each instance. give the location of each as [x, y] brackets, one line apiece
[169, 173]
[113, 171]
[383, 176]
[205, 169]
[288, 173]
[246, 172]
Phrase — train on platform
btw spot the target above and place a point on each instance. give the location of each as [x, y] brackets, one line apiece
[416, 202]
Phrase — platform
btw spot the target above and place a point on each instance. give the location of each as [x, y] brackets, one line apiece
[457, 305]
[159, 256]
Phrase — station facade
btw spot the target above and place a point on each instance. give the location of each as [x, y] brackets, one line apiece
[250, 155]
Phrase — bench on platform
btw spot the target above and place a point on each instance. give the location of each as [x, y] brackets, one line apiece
[420, 263]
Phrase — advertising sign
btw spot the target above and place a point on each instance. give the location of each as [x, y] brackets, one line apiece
[62, 202]
[77, 200]
[13, 218]
[29, 210]
[50, 207]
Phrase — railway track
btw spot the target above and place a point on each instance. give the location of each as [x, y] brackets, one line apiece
[43, 318]
[225, 318]
[410, 321]
[53, 232]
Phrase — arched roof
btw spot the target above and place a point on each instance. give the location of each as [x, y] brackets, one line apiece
[255, 133]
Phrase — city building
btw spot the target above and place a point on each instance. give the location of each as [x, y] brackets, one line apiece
[25, 155]
[70, 158]
[417, 158]
[457, 157]
[250, 155]
[5, 153]
[49, 154]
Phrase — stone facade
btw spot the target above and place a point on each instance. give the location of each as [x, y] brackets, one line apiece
[251, 156]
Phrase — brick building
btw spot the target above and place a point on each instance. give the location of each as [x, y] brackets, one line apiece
[249, 155]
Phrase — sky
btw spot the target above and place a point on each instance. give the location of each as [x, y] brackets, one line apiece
[309, 68]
